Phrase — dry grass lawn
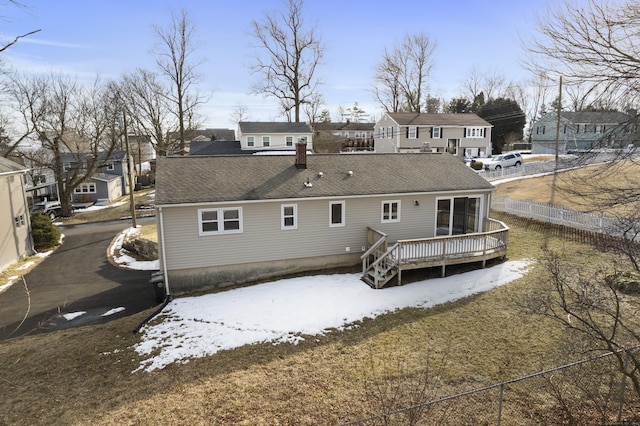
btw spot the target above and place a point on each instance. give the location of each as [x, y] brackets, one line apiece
[578, 189]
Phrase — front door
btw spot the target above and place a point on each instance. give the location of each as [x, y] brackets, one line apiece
[456, 216]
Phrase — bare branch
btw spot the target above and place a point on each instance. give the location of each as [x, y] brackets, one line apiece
[5, 47]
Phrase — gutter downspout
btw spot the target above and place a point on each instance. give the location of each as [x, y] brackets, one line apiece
[167, 297]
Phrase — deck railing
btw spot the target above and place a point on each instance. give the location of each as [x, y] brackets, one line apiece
[380, 264]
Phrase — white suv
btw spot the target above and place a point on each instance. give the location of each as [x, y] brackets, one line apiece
[503, 160]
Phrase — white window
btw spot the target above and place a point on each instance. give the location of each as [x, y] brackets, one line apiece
[390, 132]
[412, 132]
[85, 188]
[220, 221]
[336, 214]
[289, 140]
[289, 216]
[266, 141]
[251, 141]
[390, 211]
[111, 166]
[474, 132]
[437, 131]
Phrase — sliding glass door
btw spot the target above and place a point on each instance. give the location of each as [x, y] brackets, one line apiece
[457, 215]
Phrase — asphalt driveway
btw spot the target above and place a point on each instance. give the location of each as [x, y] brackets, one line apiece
[75, 286]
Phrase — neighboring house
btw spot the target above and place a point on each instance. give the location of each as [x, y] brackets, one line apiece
[581, 131]
[225, 220]
[15, 227]
[107, 184]
[354, 136]
[462, 135]
[272, 136]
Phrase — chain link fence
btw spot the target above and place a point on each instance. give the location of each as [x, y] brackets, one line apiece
[589, 392]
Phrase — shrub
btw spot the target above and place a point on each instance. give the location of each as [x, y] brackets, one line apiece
[476, 165]
[45, 234]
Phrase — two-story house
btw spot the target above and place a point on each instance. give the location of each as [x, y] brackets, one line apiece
[580, 131]
[15, 233]
[273, 136]
[462, 135]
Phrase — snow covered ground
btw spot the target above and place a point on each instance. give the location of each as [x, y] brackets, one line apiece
[285, 311]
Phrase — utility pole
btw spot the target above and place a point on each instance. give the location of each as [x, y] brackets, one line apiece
[132, 204]
[558, 123]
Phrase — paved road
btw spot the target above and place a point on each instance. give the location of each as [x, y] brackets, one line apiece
[75, 278]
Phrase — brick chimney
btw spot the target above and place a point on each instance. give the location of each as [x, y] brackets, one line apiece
[301, 153]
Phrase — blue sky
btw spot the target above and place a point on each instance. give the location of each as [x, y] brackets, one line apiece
[86, 38]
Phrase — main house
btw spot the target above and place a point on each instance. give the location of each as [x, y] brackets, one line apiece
[581, 131]
[15, 229]
[461, 135]
[271, 136]
[225, 220]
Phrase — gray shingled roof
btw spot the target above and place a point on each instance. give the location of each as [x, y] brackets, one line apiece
[184, 180]
[217, 148]
[8, 166]
[273, 127]
[590, 117]
[426, 119]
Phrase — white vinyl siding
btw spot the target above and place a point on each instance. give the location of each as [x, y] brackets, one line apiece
[289, 216]
[220, 221]
[390, 211]
[263, 240]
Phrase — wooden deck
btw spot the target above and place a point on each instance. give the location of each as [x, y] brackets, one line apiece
[382, 262]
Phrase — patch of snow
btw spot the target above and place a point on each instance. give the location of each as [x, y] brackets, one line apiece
[113, 311]
[27, 265]
[286, 310]
[73, 315]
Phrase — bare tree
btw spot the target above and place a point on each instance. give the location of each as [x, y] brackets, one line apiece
[146, 98]
[17, 38]
[595, 43]
[174, 57]
[312, 109]
[75, 124]
[290, 59]
[402, 75]
[594, 309]
[387, 78]
[240, 113]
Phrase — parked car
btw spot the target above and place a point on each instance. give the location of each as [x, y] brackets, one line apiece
[52, 209]
[513, 159]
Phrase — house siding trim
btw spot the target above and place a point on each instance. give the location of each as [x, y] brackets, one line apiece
[337, 197]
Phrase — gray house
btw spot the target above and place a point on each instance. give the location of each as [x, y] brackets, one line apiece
[15, 228]
[225, 220]
[581, 131]
[462, 135]
[272, 135]
[107, 184]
